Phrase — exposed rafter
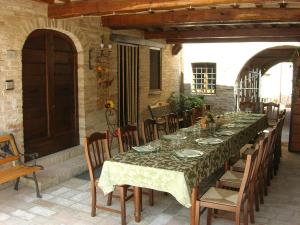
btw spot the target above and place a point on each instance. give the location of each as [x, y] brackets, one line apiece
[227, 33]
[45, 1]
[205, 16]
[104, 7]
[237, 39]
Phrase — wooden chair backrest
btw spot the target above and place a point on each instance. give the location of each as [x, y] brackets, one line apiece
[282, 113]
[187, 118]
[269, 148]
[197, 112]
[15, 154]
[127, 137]
[96, 151]
[247, 105]
[271, 109]
[149, 130]
[280, 127]
[250, 162]
[159, 109]
[261, 148]
[173, 125]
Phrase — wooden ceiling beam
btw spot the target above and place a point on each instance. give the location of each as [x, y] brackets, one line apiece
[105, 7]
[204, 16]
[45, 1]
[230, 40]
[226, 33]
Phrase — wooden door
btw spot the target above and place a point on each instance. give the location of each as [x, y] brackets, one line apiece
[49, 93]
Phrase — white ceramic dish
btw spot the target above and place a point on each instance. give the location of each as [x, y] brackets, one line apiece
[188, 153]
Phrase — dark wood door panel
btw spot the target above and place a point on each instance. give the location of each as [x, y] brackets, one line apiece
[50, 93]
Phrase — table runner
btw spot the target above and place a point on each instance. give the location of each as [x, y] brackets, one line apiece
[163, 171]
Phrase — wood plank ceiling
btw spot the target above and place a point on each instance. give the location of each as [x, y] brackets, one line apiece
[192, 21]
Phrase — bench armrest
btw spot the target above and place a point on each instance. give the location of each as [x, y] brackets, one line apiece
[33, 157]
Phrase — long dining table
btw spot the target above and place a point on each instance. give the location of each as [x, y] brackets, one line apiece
[163, 170]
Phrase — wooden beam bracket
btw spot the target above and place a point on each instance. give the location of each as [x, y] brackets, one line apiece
[176, 49]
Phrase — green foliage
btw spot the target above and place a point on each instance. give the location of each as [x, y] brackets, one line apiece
[181, 102]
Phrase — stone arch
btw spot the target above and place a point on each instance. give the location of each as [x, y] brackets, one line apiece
[272, 62]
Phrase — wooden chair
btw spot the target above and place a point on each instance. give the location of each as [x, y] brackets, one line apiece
[159, 112]
[197, 113]
[187, 118]
[247, 105]
[128, 137]
[233, 179]
[264, 170]
[173, 125]
[228, 200]
[14, 166]
[149, 130]
[271, 109]
[96, 152]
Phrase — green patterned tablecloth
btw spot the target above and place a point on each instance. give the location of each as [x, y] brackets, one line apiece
[164, 171]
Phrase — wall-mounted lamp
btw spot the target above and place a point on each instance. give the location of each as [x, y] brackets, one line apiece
[105, 50]
[98, 55]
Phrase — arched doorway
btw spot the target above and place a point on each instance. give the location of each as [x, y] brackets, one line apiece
[50, 112]
[248, 81]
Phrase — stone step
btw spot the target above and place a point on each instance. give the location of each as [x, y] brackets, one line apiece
[61, 156]
[58, 172]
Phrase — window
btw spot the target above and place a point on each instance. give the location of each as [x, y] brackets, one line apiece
[204, 78]
[155, 69]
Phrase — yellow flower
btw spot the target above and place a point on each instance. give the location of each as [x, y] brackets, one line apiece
[109, 104]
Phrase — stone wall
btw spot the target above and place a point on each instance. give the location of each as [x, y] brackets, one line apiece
[223, 100]
[18, 18]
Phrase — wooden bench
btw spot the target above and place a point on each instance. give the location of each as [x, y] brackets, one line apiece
[12, 166]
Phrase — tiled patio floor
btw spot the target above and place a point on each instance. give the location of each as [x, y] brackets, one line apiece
[68, 203]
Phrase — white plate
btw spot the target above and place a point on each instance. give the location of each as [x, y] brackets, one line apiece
[188, 153]
[145, 148]
[233, 125]
[226, 133]
[214, 141]
[209, 141]
[174, 137]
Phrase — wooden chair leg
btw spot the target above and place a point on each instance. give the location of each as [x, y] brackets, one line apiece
[123, 207]
[209, 216]
[250, 208]
[38, 194]
[17, 184]
[109, 199]
[151, 197]
[266, 187]
[261, 193]
[94, 197]
[198, 208]
[256, 198]
[238, 217]
[246, 205]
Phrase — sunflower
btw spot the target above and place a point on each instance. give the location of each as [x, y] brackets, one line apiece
[109, 104]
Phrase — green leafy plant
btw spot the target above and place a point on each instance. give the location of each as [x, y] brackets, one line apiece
[181, 102]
